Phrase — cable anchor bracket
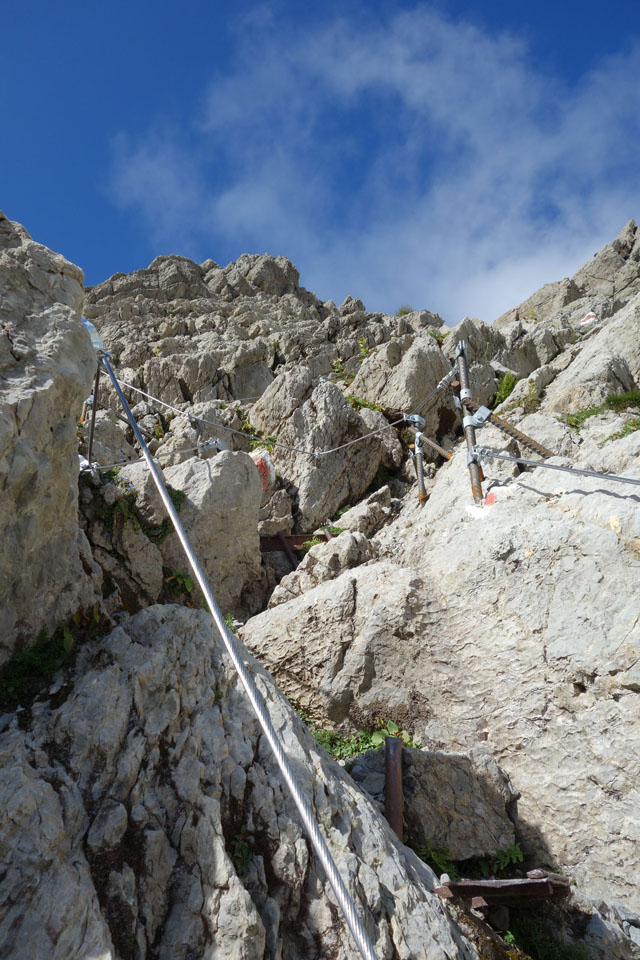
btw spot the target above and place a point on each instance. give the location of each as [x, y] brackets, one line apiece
[478, 419]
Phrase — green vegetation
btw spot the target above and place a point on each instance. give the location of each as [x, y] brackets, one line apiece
[440, 861]
[437, 335]
[358, 403]
[178, 580]
[614, 401]
[347, 747]
[530, 934]
[240, 851]
[575, 420]
[364, 348]
[334, 531]
[404, 309]
[505, 387]
[35, 664]
[338, 369]
[306, 546]
[125, 510]
[628, 428]
[229, 620]
[532, 401]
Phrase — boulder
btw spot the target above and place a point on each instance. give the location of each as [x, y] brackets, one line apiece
[219, 510]
[401, 374]
[304, 418]
[47, 365]
[459, 803]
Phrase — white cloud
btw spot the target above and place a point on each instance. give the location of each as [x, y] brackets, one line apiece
[419, 160]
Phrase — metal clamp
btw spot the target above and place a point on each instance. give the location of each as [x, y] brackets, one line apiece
[213, 443]
[478, 419]
[465, 393]
[316, 456]
[414, 418]
[461, 348]
[97, 343]
[446, 380]
[476, 454]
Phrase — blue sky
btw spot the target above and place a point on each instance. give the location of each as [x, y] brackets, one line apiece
[450, 155]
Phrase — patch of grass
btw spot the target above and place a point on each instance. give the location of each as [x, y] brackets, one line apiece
[575, 420]
[35, 664]
[229, 620]
[533, 399]
[306, 546]
[347, 747]
[622, 401]
[628, 428]
[404, 309]
[335, 531]
[531, 935]
[358, 403]
[614, 401]
[437, 335]
[505, 387]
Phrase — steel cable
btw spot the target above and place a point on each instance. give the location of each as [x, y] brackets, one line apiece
[482, 452]
[257, 702]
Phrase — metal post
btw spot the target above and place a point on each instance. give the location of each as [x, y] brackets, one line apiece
[291, 557]
[94, 408]
[475, 471]
[422, 493]
[393, 797]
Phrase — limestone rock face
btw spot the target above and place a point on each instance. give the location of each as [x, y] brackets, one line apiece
[459, 802]
[146, 813]
[46, 369]
[514, 625]
[401, 374]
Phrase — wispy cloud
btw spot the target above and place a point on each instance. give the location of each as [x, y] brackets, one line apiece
[418, 160]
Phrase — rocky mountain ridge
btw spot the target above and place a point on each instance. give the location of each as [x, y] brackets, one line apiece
[507, 631]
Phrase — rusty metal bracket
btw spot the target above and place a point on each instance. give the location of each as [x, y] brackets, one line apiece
[393, 795]
[511, 431]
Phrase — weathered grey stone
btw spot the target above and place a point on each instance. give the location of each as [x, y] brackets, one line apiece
[325, 561]
[401, 374]
[369, 514]
[456, 802]
[46, 368]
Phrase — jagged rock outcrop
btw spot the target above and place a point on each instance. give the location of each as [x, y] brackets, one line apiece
[145, 816]
[604, 284]
[46, 368]
[305, 418]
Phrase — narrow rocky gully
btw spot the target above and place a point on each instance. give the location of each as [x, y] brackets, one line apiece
[143, 815]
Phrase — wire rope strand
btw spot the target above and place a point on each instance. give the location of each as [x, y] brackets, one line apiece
[483, 452]
[257, 702]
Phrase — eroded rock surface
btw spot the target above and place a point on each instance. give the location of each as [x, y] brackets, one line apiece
[145, 814]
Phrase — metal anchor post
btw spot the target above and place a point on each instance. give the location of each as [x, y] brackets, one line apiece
[475, 471]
